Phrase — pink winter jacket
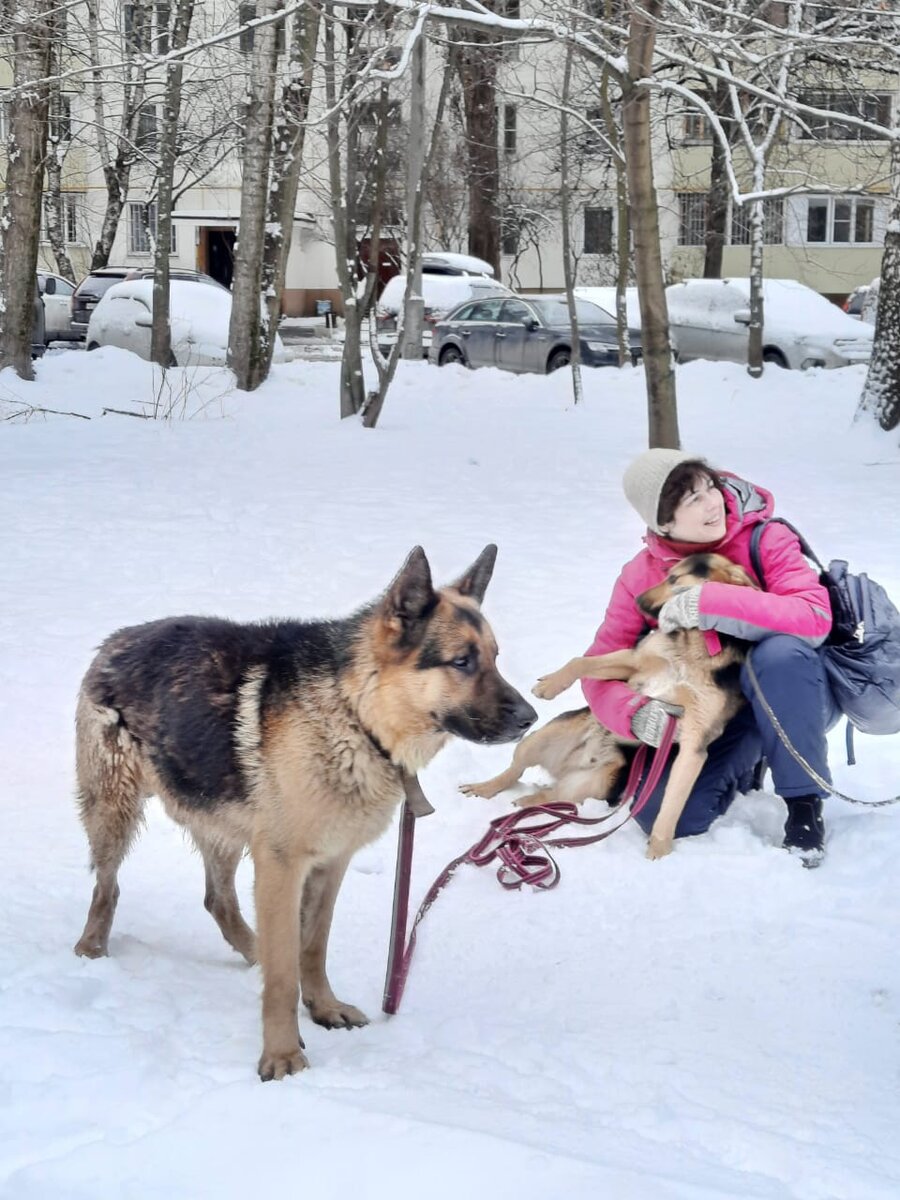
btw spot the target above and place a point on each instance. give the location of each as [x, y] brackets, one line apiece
[794, 602]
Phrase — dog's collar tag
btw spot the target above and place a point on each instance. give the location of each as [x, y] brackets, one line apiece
[713, 643]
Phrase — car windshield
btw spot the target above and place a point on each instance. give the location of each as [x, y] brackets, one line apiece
[555, 313]
[96, 285]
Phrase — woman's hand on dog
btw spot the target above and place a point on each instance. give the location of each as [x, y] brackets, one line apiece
[682, 611]
[649, 722]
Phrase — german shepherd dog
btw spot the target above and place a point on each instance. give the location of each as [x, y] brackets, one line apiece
[292, 739]
[586, 759]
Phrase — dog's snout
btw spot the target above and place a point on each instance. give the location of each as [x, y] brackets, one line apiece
[523, 715]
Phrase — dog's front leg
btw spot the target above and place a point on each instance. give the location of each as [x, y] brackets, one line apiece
[682, 777]
[317, 907]
[619, 664]
[280, 875]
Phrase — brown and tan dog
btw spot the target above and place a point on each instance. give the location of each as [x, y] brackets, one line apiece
[292, 739]
[585, 758]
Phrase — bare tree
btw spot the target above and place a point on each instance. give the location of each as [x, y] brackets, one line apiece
[161, 336]
[247, 352]
[881, 392]
[289, 141]
[661, 403]
[31, 26]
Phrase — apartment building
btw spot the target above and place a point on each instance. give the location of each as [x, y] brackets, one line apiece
[826, 230]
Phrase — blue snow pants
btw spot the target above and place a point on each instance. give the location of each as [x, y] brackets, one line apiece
[792, 677]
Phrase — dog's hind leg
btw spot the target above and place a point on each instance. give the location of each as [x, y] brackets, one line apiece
[528, 753]
[111, 795]
[221, 901]
[316, 910]
[587, 783]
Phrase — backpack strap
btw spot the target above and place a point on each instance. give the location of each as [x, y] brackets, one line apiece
[756, 538]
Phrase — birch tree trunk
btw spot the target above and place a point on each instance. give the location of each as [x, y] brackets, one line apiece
[116, 168]
[31, 27]
[662, 411]
[246, 350]
[287, 163]
[56, 152]
[565, 214]
[161, 336]
[881, 392]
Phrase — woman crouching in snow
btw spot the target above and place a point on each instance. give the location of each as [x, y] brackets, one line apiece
[689, 507]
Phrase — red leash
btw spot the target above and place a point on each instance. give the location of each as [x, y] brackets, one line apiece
[518, 840]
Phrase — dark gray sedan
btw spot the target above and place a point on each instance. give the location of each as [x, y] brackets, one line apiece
[527, 333]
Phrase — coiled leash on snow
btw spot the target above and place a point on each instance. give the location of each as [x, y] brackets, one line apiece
[518, 841]
[798, 757]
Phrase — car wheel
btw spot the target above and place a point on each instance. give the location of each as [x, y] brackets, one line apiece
[451, 354]
[559, 358]
[93, 346]
[775, 357]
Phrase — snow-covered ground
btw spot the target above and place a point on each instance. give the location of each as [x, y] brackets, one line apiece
[718, 1024]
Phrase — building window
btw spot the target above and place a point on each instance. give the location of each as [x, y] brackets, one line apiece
[510, 115]
[509, 234]
[136, 27]
[594, 137]
[773, 222]
[598, 227]
[247, 12]
[163, 19]
[840, 220]
[696, 127]
[692, 218]
[142, 222]
[69, 214]
[867, 106]
[146, 130]
[60, 122]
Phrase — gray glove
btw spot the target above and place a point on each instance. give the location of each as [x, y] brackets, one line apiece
[682, 611]
[649, 721]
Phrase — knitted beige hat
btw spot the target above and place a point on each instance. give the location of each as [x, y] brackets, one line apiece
[645, 479]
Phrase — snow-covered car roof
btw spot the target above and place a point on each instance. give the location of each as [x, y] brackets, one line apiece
[464, 264]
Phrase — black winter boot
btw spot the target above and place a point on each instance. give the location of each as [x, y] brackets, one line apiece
[804, 829]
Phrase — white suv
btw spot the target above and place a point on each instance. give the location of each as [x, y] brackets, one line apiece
[708, 318]
[447, 280]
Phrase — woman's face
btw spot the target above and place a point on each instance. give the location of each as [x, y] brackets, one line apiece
[700, 515]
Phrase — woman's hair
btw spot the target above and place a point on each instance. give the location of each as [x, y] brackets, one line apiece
[681, 480]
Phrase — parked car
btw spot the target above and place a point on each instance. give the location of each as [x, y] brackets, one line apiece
[605, 296]
[441, 293]
[708, 318]
[56, 293]
[199, 317]
[87, 295]
[862, 302]
[527, 333]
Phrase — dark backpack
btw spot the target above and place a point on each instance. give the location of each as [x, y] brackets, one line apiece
[862, 652]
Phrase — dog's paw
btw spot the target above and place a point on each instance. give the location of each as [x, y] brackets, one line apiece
[550, 686]
[472, 789]
[275, 1064]
[658, 847]
[336, 1015]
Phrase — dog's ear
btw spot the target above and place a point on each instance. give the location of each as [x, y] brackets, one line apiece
[474, 581]
[649, 603]
[410, 598]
